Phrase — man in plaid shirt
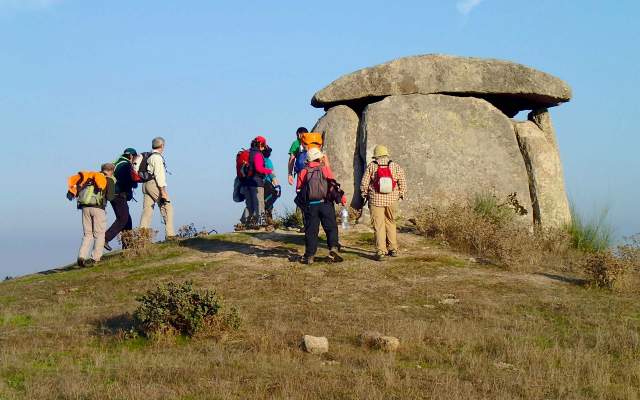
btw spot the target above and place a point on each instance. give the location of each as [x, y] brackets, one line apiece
[383, 206]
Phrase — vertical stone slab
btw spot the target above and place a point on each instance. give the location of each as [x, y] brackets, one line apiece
[542, 159]
[340, 125]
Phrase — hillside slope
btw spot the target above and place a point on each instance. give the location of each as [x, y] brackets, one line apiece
[509, 335]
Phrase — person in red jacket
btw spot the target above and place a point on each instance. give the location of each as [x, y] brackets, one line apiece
[313, 188]
[253, 184]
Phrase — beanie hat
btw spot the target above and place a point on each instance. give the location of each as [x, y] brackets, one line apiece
[314, 154]
[131, 151]
[380, 151]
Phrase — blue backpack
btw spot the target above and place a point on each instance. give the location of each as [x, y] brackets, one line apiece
[301, 158]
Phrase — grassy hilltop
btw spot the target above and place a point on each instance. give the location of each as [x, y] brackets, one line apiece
[502, 334]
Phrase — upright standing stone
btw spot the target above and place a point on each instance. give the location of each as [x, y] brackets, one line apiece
[340, 125]
[542, 159]
[451, 148]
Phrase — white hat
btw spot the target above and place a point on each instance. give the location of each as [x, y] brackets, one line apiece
[314, 154]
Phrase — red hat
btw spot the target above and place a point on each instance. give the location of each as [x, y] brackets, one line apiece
[260, 139]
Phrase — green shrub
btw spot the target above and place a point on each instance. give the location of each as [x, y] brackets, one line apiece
[289, 219]
[179, 308]
[590, 235]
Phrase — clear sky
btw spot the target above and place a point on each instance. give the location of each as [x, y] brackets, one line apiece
[82, 80]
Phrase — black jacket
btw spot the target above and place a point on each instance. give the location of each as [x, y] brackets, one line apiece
[124, 181]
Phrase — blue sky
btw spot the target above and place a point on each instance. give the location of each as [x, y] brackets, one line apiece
[82, 80]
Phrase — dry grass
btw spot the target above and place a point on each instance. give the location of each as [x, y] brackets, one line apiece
[137, 242]
[512, 335]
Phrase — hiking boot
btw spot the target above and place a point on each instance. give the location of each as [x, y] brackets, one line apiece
[334, 256]
[107, 247]
[307, 260]
[88, 262]
[239, 227]
[393, 253]
[301, 230]
[80, 262]
[380, 256]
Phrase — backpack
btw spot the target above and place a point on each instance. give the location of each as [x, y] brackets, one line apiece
[301, 158]
[383, 181]
[316, 185]
[139, 170]
[90, 195]
[242, 163]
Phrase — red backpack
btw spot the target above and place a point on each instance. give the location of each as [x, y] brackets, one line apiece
[242, 163]
[383, 181]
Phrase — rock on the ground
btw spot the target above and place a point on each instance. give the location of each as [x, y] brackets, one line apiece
[512, 87]
[451, 148]
[315, 345]
[546, 183]
[376, 340]
[340, 126]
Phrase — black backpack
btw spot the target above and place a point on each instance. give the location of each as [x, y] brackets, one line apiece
[140, 172]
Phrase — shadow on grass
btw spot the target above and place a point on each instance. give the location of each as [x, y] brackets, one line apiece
[116, 325]
[565, 279]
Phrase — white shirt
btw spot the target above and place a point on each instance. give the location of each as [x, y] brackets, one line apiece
[155, 165]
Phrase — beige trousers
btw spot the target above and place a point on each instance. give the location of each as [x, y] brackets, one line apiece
[94, 225]
[151, 194]
[384, 224]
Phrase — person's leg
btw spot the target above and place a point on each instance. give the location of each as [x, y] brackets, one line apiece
[121, 211]
[260, 198]
[166, 210]
[311, 232]
[390, 227]
[99, 218]
[151, 194]
[329, 224]
[377, 219]
[87, 234]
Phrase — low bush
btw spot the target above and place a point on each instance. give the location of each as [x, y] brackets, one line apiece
[190, 231]
[180, 309]
[288, 219]
[606, 269]
[137, 242]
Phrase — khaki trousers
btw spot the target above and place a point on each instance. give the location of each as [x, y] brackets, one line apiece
[94, 224]
[151, 194]
[384, 224]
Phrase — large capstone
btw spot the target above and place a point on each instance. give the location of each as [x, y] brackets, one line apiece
[340, 127]
[509, 86]
[542, 159]
[452, 148]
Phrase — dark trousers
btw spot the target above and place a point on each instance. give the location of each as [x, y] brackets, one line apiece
[316, 214]
[123, 218]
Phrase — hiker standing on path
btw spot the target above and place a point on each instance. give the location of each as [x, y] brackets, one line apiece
[253, 184]
[383, 184]
[272, 188]
[93, 190]
[155, 190]
[317, 193]
[123, 194]
[294, 150]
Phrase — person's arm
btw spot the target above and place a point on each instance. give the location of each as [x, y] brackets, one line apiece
[290, 165]
[366, 180]
[402, 182]
[301, 177]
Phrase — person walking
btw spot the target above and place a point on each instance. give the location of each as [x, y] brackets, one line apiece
[155, 190]
[92, 190]
[383, 185]
[314, 188]
[294, 150]
[123, 194]
[253, 184]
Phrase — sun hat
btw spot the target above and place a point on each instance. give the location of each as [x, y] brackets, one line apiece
[380, 151]
[314, 154]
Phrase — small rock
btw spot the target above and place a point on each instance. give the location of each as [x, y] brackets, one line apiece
[449, 302]
[315, 345]
[388, 343]
[375, 340]
[473, 260]
[315, 300]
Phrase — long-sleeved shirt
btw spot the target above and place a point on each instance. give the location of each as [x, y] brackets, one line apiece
[124, 183]
[383, 199]
[155, 165]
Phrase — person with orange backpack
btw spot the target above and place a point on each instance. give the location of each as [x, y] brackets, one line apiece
[317, 193]
[383, 185]
[92, 191]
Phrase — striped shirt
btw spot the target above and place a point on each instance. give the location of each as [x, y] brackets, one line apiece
[383, 199]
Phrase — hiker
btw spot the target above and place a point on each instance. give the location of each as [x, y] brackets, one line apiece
[317, 193]
[294, 151]
[383, 185]
[272, 190]
[123, 194]
[155, 188]
[254, 173]
[92, 190]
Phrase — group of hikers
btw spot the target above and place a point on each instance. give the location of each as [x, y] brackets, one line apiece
[115, 184]
[317, 192]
